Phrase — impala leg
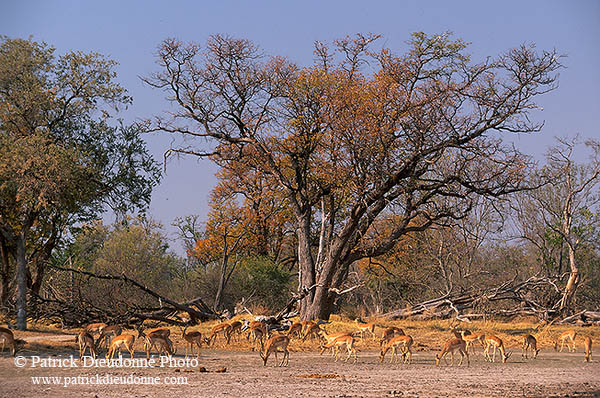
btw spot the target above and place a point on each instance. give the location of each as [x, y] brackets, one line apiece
[286, 357]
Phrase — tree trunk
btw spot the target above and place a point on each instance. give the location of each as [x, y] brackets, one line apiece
[40, 261]
[306, 265]
[221, 287]
[4, 272]
[321, 306]
[569, 293]
[21, 284]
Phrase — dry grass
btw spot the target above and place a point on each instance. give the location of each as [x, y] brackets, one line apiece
[427, 335]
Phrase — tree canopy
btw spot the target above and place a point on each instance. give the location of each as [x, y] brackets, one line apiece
[61, 161]
[358, 136]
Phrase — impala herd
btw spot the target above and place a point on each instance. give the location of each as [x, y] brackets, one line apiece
[113, 339]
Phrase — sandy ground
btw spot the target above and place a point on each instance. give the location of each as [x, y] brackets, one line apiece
[308, 375]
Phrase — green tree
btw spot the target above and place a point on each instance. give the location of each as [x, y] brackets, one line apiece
[134, 247]
[265, 281]
[60, 161]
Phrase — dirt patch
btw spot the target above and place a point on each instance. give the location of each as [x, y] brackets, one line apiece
[238, 372]
[311, 375]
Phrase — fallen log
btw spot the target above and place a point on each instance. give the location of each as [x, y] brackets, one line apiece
[457, 303]
[195, 309]
[582, 317]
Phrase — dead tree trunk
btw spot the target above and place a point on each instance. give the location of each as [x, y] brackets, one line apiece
[454, 304]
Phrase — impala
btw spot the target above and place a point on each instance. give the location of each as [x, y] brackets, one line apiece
[295, 329]
[496, 342]
[389, 333]
[158, 340]
[313, 330]
[329, 338]
[7, 337]
[529, 342]
[94, 328]
[85, 340]
[459, 334]
[365, 328]
[399, 341]
[451, 346]
[563, 338]
[224, 328]
[236, 328]
[587, 343]
[192, 338]
[306, 325]
[122, 340]
[106, 333]
[338, 342]
[164, 332]
[274, 345]
[471, 339]
[258, 332]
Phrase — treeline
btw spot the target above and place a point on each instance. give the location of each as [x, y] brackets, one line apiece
[365, 183]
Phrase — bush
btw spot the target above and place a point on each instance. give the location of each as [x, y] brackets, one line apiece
[268, 284]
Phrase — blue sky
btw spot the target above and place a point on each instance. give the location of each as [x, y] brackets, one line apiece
[130, 32]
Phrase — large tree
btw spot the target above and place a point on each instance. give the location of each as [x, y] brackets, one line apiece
[357, 136]
[60, 160]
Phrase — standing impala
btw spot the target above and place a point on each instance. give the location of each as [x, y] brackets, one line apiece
[123, 340]
[365, 328]
[497, 343]
[106, 333]
[236, 328]
[7, 337]
[85, 340]
[274, 345]
[224, 328]
[306, 325]
[295, 329]
[529, 342]
[339, 342]
[158, 340]
[192, 338]
[258, 332]
[94, 328]
[313, 330]
[165, 333]
[564, 339]
[389, 333]
[471, 339]
[329, 338]
[399, 341]
[451, 346]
